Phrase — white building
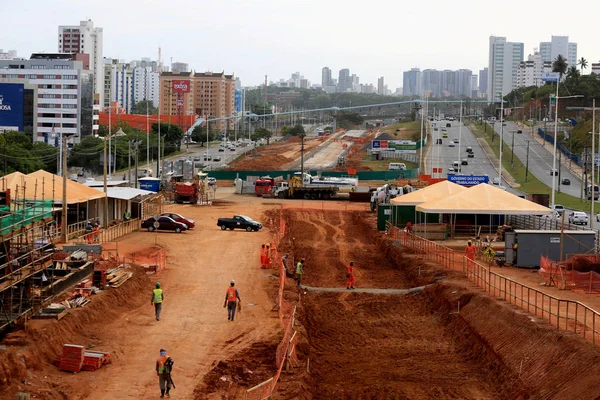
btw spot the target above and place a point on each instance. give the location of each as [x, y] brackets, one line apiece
[530, 72]
[8, 55]
[380, 86]
[559, 45]
[596, 68]
[86, 39]
[118, 84]
[65, 96]
[146, 85]
[504, 60]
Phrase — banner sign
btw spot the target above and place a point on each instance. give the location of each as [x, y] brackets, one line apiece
[181, 86]
[399, 146]
[468, 180]
[550, 76]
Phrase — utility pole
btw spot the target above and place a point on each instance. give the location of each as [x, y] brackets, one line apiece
[63, 221]
[501, 137]
[560, 170]
[106, 166]
[129, 162]
[512, 155]
[527, 163]
[137, 144]
[302, 159]
[593, 191]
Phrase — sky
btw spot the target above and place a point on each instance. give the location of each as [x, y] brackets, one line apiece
[254, 38]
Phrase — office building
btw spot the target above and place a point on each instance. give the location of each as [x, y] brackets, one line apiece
[474, 86]
[8, 55]
[85, 39]
[412, 82]
[530, 72]
[596, 68]
[207, 94]
[559, 45]
[326, 77]
[145, 63]
[483, 81]
[380, 86]
[504, 60]
[344, 81]
[178, 67]
[63, 94]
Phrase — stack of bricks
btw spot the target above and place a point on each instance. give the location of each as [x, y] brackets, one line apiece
[92, 360]
[71, 359]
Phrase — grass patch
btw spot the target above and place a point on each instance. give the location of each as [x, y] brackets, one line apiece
[404, 130]
[382, 165]
[533, 185]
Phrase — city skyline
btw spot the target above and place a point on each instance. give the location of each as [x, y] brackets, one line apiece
[293, 48]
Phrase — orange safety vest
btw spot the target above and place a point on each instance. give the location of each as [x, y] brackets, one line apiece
[231, 294]
[161, 363]
[470, 250]
[350, 270]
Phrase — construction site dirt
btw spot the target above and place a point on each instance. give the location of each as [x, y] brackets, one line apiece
[351, 345]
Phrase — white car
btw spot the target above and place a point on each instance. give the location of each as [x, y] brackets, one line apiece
[578, 217]
[496, 181]
[451, 144]
[559, 208]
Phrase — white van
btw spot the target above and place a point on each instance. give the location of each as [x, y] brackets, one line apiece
[396, 166]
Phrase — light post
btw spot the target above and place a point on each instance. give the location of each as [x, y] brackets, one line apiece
[501, 137]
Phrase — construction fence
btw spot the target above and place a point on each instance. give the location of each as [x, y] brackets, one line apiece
[562, 314]
[286, 350]
[155, 262]
[78, 231]
[571, 274]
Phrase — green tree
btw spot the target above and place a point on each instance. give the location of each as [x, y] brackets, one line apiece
[87, 153]
[20, 154]
[262, 133]
[583, 64]
[145, 107]
[171, 134]
[560, 65]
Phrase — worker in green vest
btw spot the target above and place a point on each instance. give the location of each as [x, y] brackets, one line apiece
[157, 299]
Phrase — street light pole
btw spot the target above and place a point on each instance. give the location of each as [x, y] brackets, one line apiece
[554, 146]
[460, 132]
[527, 163]
[501, 137]
[593, 191]
[512, 154]
[63, 221]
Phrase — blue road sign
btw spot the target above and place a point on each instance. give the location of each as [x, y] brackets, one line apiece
[468, 180]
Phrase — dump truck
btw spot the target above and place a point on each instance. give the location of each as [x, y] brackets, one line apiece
[264, 185]
[294, 189]
[186, 192]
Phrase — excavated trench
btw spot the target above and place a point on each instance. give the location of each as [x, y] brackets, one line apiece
[416, 345]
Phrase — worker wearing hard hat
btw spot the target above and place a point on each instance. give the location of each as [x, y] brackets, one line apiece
[470, 251]
[263, 256]
[157, 299]
[350, 280]
[232, 300]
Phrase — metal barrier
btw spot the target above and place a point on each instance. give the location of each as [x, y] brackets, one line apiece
[563, 314]
[108, 235]
[542, 223]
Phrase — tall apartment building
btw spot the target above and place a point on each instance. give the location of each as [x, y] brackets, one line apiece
[146, 85]
[483, 81]
[474, 86]
[412, 82]
[84, 38]
[206, 94]
[344, 81]
[63, 91]
[326, 77]
[179, 67]
[504, 60]
[380, 86]
[530, 72]
[559, 45]
[118, 84]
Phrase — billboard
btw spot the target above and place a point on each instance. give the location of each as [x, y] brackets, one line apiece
[468, 180]
[550, 76]
[181, 86]
[238, 100]
[12, 96]
[398, 146]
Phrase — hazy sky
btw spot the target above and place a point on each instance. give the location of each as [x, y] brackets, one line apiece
[252, 38]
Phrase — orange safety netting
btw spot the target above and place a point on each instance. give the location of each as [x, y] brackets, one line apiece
[153, 262]
[577, 273]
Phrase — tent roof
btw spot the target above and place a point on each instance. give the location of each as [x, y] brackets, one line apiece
[434, 192]
[126, 193]
[483, 199]
[53, 186]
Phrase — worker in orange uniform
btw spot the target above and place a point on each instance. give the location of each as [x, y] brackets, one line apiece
[350, 280]
[164, 367]
[97, 232]
[232, 300]
[263, 257]
[409, 227]
[470, 251]
[268, 255]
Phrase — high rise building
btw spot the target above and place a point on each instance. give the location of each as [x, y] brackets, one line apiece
[344, 82]
[483, 81]
[412, 82]
[463, 82]
[118, 85]
[380, 86]
[559, 45]
[86, 39]
[8, 55]
[474, 87]
[504, 60]
[207, 94]
[530, 72]
[146, 85]
[326, 77]
[178, 67]
[63, 95]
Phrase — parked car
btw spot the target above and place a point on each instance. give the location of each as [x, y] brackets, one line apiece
[566, 181]
[164, 224]
[471, 155]
[240, 222]
[559, 208]
[451, 144]
[190, 223]
[578, 217]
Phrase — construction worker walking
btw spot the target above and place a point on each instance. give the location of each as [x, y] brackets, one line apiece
[164, 367]
[157, 299]
[470, 251]
[232, 300]
[263, 257]
[268, 259]
[350, 280]
[299, 271]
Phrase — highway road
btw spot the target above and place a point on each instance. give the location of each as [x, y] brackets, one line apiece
[540, 159]
[442, 156]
